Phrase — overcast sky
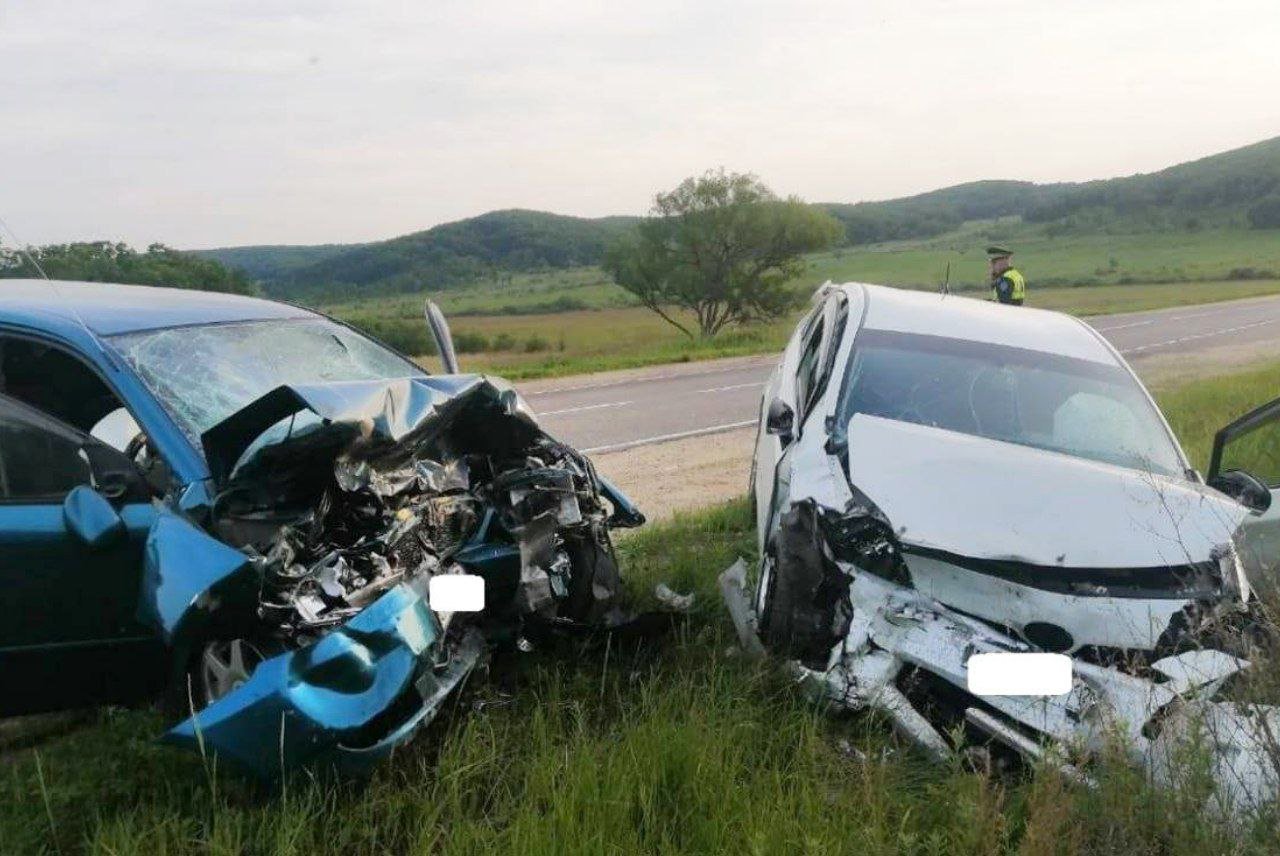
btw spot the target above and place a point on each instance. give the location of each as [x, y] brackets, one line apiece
[306, 121]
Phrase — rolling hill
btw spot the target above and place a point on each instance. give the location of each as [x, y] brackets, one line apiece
[438, 258]
[1238, 188]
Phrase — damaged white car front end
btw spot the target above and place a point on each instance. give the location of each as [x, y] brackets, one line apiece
[937, 478]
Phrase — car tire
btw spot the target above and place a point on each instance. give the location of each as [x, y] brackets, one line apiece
[797, 619]
[210, 670]
[596, 584]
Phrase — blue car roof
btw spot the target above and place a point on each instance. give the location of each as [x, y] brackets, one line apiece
[108, 308]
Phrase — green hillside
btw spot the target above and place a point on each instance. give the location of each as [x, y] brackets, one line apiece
[1236, 188]
[439, 258]
[1229, 192]
[274, 262]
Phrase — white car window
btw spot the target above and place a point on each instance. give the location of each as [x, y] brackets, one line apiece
[1016, 395]
[1092, 425]
[116, 429]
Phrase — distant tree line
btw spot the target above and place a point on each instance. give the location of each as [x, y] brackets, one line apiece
[105, 261]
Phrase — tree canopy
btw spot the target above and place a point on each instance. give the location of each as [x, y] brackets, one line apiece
[723, 247]
[105, 261]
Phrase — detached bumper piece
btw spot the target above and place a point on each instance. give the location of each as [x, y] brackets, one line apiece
[348, 699]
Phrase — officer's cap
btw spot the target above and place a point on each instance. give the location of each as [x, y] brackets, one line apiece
[998, 252]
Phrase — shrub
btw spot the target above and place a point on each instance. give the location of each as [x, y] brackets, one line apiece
[408, 336]
[1242, 273]
[535, 344]
[504, 342]
[1266, 214]
[470, 342]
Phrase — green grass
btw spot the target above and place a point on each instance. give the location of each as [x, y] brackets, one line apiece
[574, 321]
[587, 341]
[677, 747]
[1196, 410]
[1058, 260]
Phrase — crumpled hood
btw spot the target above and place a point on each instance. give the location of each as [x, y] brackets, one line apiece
[387, 412]
[987, 499]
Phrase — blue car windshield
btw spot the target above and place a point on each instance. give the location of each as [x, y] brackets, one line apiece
[203, 374]
[1060, 404]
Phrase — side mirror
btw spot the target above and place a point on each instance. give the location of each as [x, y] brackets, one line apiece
[781, 420]
[444, 339]
[89, 517]
[1245, 488]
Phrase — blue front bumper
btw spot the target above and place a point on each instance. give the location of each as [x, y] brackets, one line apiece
[346, 700]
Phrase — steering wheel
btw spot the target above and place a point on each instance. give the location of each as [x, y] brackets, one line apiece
[914, 411]
[973, 407]
[135, 446]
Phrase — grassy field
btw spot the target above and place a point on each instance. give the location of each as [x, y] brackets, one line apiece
[571, 321]
[585, 341]
[1061, 259]
[678, 747]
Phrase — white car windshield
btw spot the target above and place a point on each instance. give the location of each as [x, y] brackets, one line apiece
[204, 374]
[1077, 407]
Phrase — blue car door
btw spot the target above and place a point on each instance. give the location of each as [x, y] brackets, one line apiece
[69, 634]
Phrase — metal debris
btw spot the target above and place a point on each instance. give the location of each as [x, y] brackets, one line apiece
[671, 600]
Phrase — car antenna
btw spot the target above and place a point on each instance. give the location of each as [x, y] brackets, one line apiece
[946, 280]
[23, 249]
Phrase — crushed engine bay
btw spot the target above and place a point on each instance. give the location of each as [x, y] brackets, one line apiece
[372, 528]
[840, 599]
[329, 539]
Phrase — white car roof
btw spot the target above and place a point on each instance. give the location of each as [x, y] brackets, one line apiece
[932, 314]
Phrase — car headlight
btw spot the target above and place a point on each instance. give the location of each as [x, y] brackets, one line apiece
[1231, 570]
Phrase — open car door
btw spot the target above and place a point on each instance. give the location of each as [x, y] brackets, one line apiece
[1245, 465]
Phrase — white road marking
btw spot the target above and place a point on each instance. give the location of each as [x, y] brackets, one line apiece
[727, 388]
[585, 407]
[1193, 337]
[763, 362]
[1230, 307]
[662, 438]
[625, 403]
[1125, 326]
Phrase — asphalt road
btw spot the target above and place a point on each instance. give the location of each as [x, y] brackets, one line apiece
[604, 413]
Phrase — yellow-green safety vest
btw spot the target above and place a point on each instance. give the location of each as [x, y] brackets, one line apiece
[1017, 281]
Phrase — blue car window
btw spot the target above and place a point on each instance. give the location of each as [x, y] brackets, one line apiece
[54, 381]
[39, 460]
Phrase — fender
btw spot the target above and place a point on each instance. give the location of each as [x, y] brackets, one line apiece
[189, 578]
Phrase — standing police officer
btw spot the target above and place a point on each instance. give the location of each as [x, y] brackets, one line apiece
[1008, 285]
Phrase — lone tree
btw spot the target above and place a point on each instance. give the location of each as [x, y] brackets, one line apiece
[723, 247]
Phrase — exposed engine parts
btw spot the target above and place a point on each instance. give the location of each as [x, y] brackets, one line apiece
[375, 526]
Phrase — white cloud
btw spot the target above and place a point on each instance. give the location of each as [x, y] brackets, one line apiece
[205, 123]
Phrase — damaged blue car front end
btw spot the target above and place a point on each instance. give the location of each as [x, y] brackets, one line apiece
[347, 700]
[318, 547]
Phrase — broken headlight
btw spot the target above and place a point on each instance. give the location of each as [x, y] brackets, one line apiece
[862, 536]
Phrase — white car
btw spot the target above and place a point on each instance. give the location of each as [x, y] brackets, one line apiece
[937, 476]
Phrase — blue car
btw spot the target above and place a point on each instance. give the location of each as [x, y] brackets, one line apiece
[243, 508]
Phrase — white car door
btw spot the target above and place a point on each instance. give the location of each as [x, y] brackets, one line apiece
[793, 387]
[1245, 465]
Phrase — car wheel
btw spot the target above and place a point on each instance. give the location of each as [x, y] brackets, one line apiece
[225, 665]
[797, 614]
[214, 669]
[595, 584]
